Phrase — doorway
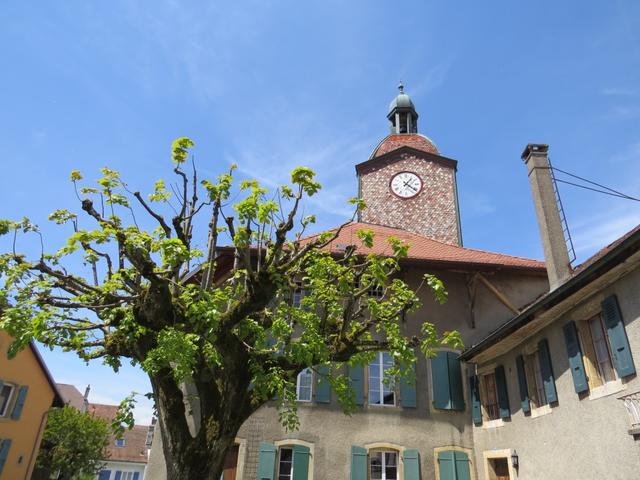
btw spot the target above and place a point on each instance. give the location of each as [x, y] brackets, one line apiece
[499, 469]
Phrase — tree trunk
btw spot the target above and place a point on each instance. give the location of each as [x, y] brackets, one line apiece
[198, 452]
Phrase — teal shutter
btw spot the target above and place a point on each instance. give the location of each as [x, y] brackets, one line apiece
[5, 445]
[408, 390]
[456, 391]
[522, 384]
[356, 379]
[300, 462]
[474, 392]
[267, 461]
[622, 359]
[22, 396]
[575, 358]
[358, 463]
[1, 384]
[503, 395]
[461, 460]
[440, 380]
[547, 371]
[411, 461]
[323, 387]
[447, 465]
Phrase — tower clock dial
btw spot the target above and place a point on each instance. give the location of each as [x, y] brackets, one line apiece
[406, 184]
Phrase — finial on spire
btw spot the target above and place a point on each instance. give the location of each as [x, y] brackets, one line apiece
[401, 87]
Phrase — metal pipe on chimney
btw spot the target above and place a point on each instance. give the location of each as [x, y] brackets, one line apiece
[536, 158]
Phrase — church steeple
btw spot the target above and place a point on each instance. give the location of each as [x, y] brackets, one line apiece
[402, 115]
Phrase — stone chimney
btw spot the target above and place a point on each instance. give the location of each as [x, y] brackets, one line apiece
[556, 255]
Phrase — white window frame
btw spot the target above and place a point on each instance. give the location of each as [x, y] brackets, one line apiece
[124, 443]
[280, 449]
[383, 456]
[5, 411]
[391, 388]
[309, 372]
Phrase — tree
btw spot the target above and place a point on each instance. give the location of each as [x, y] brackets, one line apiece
[218, 318]
[74, 443]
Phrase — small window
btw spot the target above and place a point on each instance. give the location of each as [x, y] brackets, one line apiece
[535, 383]
[297, 295]
[304, 384]
[120, 442]
[383, 465]
[6, 394]
[381, 388]
[602, 350]
[285, 464]
[490, 396]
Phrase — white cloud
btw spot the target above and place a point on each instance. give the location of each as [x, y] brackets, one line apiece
[599, 230]
[623, 112]
[617, 91]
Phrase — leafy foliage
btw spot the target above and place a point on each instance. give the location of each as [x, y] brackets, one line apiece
[74, 443]
[217, 318]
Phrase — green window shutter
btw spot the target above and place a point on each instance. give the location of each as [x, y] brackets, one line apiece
[356, 379]
[440, 381]
[456, 391]
[5, 445]
[447, 465]
[267, 461]
[622, 359]
[323, 387]
[575, 358]
[411, 461]
[408, 390]
[301, 456]
[503, 394]
[22, 397]
[474, 392]
[547, 371]
[358, 463]
[522, 384]
[461, 460]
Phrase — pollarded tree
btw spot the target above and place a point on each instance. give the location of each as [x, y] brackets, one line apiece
[217, 319]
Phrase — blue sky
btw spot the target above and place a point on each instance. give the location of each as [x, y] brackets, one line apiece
[271, 85]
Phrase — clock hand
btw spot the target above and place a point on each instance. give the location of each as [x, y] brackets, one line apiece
[411, 186]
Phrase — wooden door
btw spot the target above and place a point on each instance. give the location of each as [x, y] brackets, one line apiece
[231, 464]
[501, 469]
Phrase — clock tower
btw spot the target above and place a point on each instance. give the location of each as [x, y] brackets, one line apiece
[406, 183]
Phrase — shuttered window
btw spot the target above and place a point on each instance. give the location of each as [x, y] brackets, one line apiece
[383, 465]
[381, 387]
[446, 376]
[523, 388]
[304, 385]
[323, 387]
[476, 405]
[546, 372]
[489, 396]
[574, 353]
[6, 394]
[292, 462]
[453, 465]
[267, 461]
[411, 463]
[356, 381]
[358, 463]
[21, 398]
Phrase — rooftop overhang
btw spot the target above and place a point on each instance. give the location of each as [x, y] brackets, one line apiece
[391, 157]
[594, 277]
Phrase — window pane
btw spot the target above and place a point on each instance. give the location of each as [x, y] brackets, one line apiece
[601, 347]
[374, 397]
[541, 395]
[285, 464]
[491, 396]
[376, 465]
[5, 396]
[304, 385]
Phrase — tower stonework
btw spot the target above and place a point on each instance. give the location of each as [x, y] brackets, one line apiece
[407, 184]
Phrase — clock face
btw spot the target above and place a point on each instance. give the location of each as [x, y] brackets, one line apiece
[406, 184]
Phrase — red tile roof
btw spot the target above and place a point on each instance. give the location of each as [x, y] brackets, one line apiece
[413, 140]
[135, 449]
[427, 250]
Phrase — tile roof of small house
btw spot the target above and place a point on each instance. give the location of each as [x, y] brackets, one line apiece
[426, 250]
[135, 448]
[395, 141]
[71, 396]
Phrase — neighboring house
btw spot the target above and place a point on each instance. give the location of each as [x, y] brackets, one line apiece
[72, 396]
[27, 392]
[399, 431]
[127, 456]
[555, 392]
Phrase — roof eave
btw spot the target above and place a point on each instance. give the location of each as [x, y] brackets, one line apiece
[449, 162]
[614, 257]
